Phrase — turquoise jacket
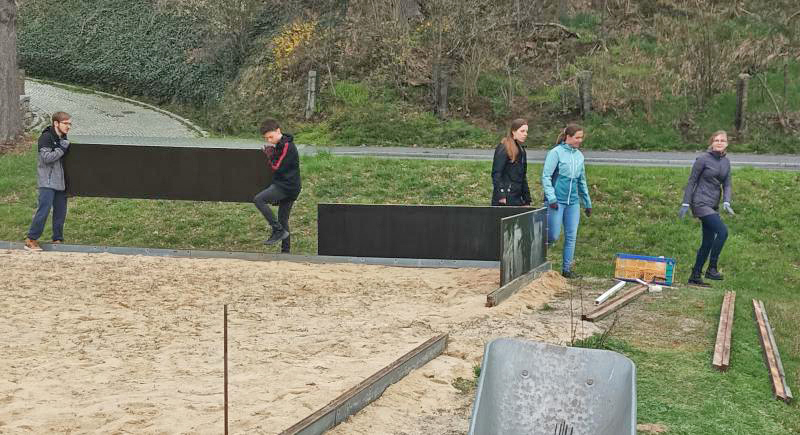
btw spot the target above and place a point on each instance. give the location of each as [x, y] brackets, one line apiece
[564, 176]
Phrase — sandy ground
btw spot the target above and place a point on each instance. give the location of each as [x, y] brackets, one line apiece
[101, 343]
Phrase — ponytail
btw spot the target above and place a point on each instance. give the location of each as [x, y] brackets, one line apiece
[570, 130]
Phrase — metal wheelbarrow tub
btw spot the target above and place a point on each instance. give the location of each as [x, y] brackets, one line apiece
[530, 388]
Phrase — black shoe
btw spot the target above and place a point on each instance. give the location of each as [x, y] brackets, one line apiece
[712, 273]
[569, 274]
[276, 237]
[696, 280]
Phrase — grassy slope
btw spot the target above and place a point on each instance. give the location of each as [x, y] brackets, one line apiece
[634, 212]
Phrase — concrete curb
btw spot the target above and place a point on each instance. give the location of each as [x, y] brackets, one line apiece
[182, 120]
[258, 256]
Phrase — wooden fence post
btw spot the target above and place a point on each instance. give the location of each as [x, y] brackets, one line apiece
[585, 93]
[741, 103]
[312, 93]
[440, 85]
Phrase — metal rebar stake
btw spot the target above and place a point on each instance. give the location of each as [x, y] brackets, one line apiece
[225, 359]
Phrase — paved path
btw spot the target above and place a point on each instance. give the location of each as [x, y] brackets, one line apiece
[99, 114]
[103, 119]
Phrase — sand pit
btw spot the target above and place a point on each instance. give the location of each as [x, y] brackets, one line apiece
[101, 343]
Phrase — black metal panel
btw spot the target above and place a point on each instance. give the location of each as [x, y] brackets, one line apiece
[524, 245]
[166, 172]
[411, 231]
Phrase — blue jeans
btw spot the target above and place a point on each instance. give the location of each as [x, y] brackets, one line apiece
[570, 217]
[49, 198]
[714, 235]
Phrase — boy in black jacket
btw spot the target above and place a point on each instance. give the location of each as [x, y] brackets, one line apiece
[284, 160]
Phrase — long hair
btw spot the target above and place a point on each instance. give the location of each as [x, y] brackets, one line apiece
[711, 139]
[508, 140]
[570, 130]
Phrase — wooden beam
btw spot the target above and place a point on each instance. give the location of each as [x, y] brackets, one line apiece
[494, 298]
[615, 304]
[722, 347]
[771, 356]
[356, 398]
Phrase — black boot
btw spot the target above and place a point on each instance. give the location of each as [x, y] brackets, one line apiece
[712, 273]
[286, 245]
[697, 280]
[277, 236]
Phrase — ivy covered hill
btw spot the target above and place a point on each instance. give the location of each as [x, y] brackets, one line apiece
[439, 72]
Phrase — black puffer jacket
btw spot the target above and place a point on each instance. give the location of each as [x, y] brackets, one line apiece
[285, 163]
[509, 179]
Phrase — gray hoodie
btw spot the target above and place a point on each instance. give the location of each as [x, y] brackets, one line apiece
[49, 168]
[710, 179]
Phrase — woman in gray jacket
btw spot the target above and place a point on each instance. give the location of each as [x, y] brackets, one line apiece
[710, 179]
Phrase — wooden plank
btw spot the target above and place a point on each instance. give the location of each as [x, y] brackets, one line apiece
[726, 355]
[769, 353]
[494, 298]
[722, 347]
[617, 303]
[358, 397]
[787, 397]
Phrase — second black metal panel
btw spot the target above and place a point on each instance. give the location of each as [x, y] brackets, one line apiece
[412, 231]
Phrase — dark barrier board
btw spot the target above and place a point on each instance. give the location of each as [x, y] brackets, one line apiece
[411, 231]
[166, 172]
[524, 244]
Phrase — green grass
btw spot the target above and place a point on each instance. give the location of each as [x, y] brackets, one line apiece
[634, 211]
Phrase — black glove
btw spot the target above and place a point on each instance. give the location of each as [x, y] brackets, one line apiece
[554, 205]
[588, 212]
[64, 144]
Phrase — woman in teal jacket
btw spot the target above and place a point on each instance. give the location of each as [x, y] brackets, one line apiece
[564, 184]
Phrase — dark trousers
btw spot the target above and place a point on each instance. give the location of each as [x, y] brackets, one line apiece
[49, 198]
[714, 235]
[274, 195]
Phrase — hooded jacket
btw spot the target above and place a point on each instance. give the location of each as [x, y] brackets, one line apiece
[49, 166]
[510, 179]
[710, 179]
[285, 163]
[564, 176]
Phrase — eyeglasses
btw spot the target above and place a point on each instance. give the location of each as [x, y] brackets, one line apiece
[65, 122]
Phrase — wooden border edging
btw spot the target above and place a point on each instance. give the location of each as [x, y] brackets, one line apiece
[494, 298]
[358, 397]
[722, 348]
[609, 307]
[772, 358]
[258, 256]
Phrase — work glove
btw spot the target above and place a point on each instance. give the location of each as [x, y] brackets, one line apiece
[63, 143]
[268, 151]
[727, 207]
[588, 212]
[683, 210]
[554, 205]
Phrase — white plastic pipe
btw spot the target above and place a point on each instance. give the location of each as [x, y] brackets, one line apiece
[610, 292]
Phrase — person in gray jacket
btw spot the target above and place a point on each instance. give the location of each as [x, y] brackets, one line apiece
[710, 179]
[53, 146]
